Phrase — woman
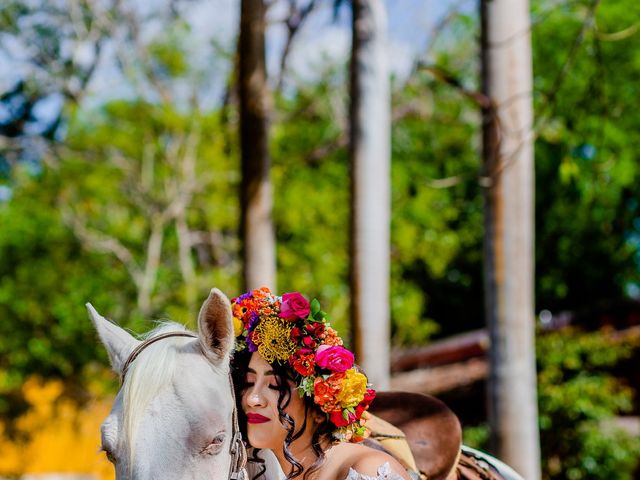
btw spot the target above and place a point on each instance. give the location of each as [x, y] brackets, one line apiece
[301, 395]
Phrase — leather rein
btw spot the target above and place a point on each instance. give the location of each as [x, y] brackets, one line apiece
[236, 448]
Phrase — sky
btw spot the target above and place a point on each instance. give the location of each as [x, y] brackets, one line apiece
[321, 41]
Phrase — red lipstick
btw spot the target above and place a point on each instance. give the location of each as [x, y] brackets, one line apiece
[257, 418]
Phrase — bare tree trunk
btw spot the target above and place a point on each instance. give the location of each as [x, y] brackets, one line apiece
[258, 242]
[509, 235]
[370, 197]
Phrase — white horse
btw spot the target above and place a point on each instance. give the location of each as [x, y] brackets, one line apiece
[174, 416]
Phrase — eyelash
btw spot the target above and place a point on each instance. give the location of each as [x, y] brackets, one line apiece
[109, 455]
[251, 384]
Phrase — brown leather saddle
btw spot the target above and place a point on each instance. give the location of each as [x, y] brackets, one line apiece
[433, 434]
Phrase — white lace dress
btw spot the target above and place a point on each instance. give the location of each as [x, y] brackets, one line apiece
[384, 473]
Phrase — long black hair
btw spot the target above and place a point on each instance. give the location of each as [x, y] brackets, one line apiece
[283, 375]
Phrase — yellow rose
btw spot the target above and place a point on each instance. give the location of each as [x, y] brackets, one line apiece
[354, 387]
[237, 326]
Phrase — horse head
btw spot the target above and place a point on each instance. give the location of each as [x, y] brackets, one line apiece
[173, 415]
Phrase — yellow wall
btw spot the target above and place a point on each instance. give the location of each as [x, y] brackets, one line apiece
[63, 439]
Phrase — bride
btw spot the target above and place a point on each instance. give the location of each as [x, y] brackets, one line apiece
[300, 394]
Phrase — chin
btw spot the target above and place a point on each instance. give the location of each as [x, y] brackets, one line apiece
[258, 441]
[263, 438]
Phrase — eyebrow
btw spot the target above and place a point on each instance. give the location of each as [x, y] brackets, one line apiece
[268, 372]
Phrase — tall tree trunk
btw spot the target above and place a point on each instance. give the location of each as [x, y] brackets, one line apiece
[256, 228]
[509, 235]
[370, 198]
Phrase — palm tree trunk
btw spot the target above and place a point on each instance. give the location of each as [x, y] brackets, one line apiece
[370, 197]
[509, 235]
[256, 227]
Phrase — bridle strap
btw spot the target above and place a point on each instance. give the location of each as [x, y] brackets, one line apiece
[136, 351]
[236, 448]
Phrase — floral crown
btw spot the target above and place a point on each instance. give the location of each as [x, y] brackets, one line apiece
[289, 330]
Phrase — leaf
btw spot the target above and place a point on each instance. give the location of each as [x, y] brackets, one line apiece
[315, 307]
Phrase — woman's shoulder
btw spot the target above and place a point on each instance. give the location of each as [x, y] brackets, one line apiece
[359, 462]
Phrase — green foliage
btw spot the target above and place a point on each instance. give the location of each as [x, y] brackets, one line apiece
[476, 436]
[46, 280]
[586, 162]
[113, 181]
[168, 53]
[311, 200]
[579, 399]
[436, 226]
[313, 197]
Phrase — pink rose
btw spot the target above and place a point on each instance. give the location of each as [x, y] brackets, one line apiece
[335, 358]
[338, 419]
[294, 305]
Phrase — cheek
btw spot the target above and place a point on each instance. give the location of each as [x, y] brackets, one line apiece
[296, 409]
[272, 399]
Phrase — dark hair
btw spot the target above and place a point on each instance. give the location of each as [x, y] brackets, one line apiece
[239, 366]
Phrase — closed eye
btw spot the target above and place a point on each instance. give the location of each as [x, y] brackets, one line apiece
[215, 446]
[110, 456]
[271, 386]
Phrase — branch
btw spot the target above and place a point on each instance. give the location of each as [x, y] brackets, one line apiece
[571, 57]
[103, 243]
[620, 35]
[185, 261]
[446, 77]
[319, 153]
[294, 21]
[440, 26]
[152, 262]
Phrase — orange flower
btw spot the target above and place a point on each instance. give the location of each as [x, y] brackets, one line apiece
[261, 292]
[325, 391]
[336, 379]
[330, 337]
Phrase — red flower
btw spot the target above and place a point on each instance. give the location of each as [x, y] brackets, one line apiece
[337, 418]
[315, 329]
[296, 334]
[309, 342]
[294, 305]
[363, 406]
[303, 362]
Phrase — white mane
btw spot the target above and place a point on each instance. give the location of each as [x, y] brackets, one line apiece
[147, 375]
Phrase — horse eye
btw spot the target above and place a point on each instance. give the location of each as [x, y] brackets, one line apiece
[215, 446]
[109, 455]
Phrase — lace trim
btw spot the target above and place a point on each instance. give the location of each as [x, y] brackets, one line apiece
[384, 473]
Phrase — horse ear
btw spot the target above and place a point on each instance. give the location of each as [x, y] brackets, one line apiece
[215, 326]
[118, 342]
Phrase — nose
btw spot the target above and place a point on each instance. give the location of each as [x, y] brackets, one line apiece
[255, 398]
